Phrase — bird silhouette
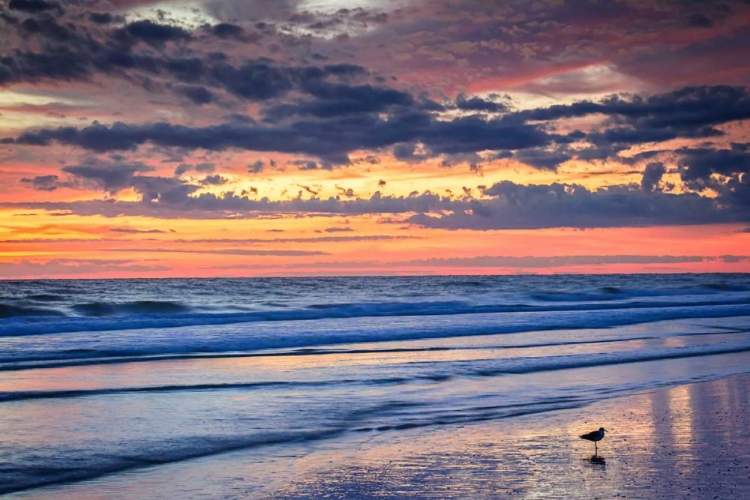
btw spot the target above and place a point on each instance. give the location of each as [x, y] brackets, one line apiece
[595, 436]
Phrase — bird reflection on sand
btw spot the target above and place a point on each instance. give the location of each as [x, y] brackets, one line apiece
[597, 462]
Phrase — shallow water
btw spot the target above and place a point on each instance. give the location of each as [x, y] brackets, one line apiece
[105, 402]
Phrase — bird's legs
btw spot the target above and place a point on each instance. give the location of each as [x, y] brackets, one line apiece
[596, 449]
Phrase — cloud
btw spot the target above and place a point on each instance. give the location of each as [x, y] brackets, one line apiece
[44, 182]
[544, 159]
[334, 100]
[204, 168]
[199, 95]
[331, 140]
[273, 77]
[48, 27]
[111, 177]
[505, 205]
[130, 230]
[256, 167]
[531, 263]
[154, 33]
[214, 180]
[691, 112]
[687, 112]
[226, 30]
[515, 206]
[699, 20]
[652, 176]
[697, 166]
[97, 49]
[568, 260]
[64, 267]
[318, 239]
[101, 17]
[33, 6]
[679, 111]
[224, 251]
[474, 103]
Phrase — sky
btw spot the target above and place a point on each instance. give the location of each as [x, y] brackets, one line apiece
[373, 137]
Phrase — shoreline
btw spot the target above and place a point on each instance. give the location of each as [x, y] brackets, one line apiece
[680, 441]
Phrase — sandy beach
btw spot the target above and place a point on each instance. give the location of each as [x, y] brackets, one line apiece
[684, 441]
[687, 441]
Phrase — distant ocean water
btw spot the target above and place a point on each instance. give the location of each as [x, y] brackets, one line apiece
[145, 372]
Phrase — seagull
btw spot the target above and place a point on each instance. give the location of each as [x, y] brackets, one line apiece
[595, 436]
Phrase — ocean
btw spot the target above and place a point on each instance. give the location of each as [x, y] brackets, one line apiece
[102, 378]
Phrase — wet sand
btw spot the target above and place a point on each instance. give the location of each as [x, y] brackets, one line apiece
[683, 441]
[688, 441]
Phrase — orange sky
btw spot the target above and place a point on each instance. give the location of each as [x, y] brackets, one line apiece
[440, 139]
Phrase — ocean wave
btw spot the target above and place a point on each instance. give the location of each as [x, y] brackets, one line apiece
[130, 308]
[143, 315]
[423, 372]
[12, 311]
[613, 293]
[46, 297]
[158, 453]
[88, 357]
[97, 348]
[725, 287]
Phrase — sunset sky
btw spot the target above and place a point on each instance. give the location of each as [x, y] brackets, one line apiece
[347, 137]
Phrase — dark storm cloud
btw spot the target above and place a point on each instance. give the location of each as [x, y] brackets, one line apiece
[652, 176]
[155, 33]
[474, 134]
[515, 206]
[349, 118]
[334, 100]
[226, 30]
[48, 27]
[204, 168]
[43, 182]
[407, 151]
[264, 79]
[307, 165]
[214, 180]
[699, 20]
[177, 199]
[682, 111]
[331, 140]
[94, 49]
[698, 165]
[505, 205]
[543, 159]
[256, 167]
[33, 6]
[58, 63]
[197, 94]
[101, 17]
[735, 192]
[474, 103]
[108, 177]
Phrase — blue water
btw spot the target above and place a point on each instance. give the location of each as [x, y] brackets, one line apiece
[100, 377]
